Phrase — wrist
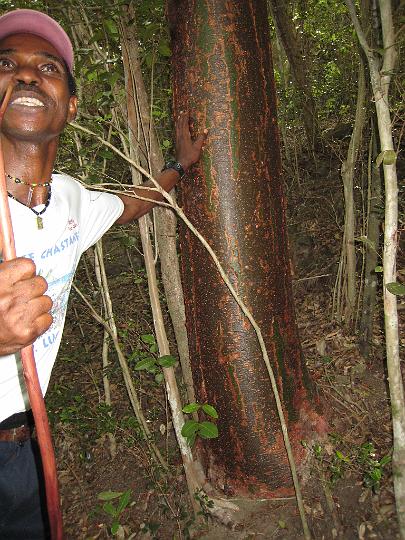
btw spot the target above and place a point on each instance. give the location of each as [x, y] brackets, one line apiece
[176, 166]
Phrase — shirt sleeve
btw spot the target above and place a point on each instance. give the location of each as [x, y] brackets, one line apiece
[99, 211]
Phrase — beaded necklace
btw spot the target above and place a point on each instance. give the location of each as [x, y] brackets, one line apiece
[33, 185]
[40, 221]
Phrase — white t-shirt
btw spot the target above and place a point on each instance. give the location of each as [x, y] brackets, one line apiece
[74, 220]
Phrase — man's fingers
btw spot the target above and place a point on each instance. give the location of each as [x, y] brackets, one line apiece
[200, 140]
[43, 323]
[30, 288]
[18, 269]
[39, 306]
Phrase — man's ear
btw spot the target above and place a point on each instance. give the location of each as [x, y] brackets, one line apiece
[72, 108]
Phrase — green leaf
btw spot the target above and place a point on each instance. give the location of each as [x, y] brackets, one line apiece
[388, 157]
[167, 361]
[109, 509]
[208, 430]
[190, 428]
[386, 459]
[379, 159]
[113, 78]
[146, 363]
[124, 501]
[210, 410]
[366, 241]
[111, 27]
[148, 338]
[191, 407]
[396, 288]
[342, 457]
[164, 48]
[106, 154]
[378, 269]
[109, 495]
[159, 377]
[114, 527]
[191, 440]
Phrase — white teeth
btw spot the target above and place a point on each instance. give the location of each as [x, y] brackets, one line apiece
[28, 101]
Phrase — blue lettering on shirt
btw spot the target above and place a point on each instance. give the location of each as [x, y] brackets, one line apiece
[49, 340]
[60, 246]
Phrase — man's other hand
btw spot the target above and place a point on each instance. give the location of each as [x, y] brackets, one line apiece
[188, 151]
[24, 308]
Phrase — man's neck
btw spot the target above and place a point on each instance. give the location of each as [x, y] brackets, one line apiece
[31, 163]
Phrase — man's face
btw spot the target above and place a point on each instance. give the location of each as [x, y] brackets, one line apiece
[40, 104]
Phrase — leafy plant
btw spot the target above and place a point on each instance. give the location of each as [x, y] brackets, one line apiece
[148, 361]
[205, 503]
[115, 511]
[373, 468]
[361, 459]
[205, 429]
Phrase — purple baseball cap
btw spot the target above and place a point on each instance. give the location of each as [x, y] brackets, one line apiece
[30, 21]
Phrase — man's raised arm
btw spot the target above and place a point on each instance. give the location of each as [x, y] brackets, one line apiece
[188, 152]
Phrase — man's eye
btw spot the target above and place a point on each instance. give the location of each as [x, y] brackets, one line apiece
[50, 68]
[6, 64]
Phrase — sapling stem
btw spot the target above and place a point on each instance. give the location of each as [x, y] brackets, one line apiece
[7, 245]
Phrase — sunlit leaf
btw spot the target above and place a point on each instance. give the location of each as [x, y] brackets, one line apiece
[124, 501]
[167, 361]
[111, 27]
[210, 410]
[191, 407]
[146, 363]
[190, 428]
[148, 338]
[109, 509]
[396, 288]
[208, 430]
[388, 157]
[109, 495]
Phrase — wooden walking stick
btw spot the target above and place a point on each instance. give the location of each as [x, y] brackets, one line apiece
[28, 363]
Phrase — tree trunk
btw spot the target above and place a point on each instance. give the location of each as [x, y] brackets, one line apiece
[294, 51]
[223, 72]
[374, 203]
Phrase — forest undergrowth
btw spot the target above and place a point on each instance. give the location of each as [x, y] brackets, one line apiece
[348, 490]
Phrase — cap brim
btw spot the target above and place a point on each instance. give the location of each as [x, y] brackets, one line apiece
[29, 21]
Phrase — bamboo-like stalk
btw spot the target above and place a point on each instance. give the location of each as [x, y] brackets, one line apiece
[380, 77]
[165, 222]
[346, 276]
[29, 367]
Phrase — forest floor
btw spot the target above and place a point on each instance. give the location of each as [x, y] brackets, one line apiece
[347, 484]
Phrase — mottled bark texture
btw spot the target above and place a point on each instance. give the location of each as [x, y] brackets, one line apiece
[222, 72]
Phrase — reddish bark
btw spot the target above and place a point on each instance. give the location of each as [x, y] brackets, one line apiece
[222, 71]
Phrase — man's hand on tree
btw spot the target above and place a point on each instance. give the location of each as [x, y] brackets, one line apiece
[188, 151]
[24, 308]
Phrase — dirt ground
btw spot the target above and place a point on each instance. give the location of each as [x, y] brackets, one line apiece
[347, 484]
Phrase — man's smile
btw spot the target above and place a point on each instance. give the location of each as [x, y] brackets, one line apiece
[31, 98]
[28, 102]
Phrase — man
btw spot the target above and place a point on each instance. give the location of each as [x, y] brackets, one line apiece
[54, 219]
